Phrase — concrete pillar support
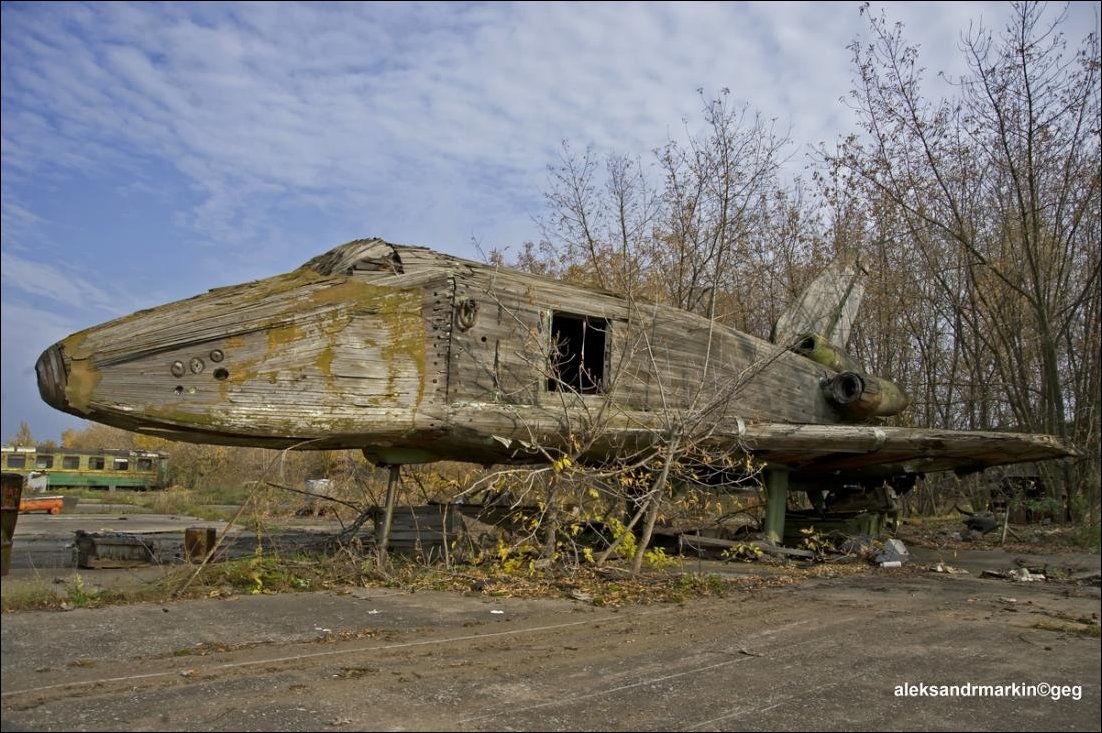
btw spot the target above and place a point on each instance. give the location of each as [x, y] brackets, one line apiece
[776, 498]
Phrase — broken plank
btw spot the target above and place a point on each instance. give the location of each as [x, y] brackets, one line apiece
[699, 541]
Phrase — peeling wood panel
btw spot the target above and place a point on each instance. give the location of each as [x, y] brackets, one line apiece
[349, 361]
[655, 351]
[812, 451]
[439, 295]
[499, 357]
[692, 362]
[422, 259]
[364, 255]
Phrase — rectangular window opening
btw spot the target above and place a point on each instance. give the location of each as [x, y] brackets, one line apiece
[122, 464]
[70, 462]
[95, 463]
[145, 464]
[577, 356]
[17, 461]
[44, 462]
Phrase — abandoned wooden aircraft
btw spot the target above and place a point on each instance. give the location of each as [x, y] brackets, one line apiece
[414, 356]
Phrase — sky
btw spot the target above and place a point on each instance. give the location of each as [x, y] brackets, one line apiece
[154, 151]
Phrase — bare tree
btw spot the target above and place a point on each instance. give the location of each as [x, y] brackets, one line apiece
[996, 189]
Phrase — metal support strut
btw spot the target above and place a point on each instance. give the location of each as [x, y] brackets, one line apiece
[388, 514]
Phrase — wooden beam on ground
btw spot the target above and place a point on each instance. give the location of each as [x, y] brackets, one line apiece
[697, 541]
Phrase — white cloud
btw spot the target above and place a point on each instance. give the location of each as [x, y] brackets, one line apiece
[409, 107]
[59, 285]
[16, 218]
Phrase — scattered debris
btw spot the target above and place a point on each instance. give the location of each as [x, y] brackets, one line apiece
[496, 611]
[578, 595]
[893, 555]
[856, 544]
[982, 523]
[697, 542]
[1023, 575]
[778, 551]
[943, 568]
[1032, 567]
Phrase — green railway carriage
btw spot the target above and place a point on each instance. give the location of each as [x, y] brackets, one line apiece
[95, 469]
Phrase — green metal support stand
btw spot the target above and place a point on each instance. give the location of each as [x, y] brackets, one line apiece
[776, 499]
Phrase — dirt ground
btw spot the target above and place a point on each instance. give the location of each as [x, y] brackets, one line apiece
[826, 653]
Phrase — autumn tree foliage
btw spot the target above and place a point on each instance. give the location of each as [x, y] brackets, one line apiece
[23, 438]
[987, 200]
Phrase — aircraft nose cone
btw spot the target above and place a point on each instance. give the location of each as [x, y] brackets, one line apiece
[51, 377]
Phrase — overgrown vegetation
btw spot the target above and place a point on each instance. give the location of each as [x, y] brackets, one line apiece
[72, 593]
[267, 573]
[948, 532]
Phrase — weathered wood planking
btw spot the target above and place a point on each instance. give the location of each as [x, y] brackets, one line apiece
[308, 355]
[657, 352]
[412, 356]
[425, 528]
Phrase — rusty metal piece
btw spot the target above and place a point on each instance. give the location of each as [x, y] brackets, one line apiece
[12, 490]
[198, 543]
[860, 396]
[466, 313]
[821, 351]
[113, 549]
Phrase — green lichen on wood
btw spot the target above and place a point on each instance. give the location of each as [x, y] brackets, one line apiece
[278, 334]
[81, 384]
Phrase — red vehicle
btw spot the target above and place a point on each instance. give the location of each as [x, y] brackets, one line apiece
[48, 504]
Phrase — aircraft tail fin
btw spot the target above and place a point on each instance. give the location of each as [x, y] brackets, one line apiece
[827, 308]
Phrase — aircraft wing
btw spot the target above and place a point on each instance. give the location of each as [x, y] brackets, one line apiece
[861, 453]
[874, 452]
